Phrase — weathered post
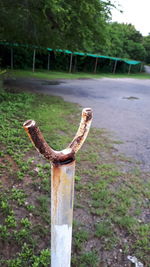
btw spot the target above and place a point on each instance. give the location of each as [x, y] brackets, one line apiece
[12, 58]
[95, 67]
[70, 66]
[75, 64]
[33, 65]
[62, 186]
[48, 61]
[141, 67]
[115, 66]
[129, 69]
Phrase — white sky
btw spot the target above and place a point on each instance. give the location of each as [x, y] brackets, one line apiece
[136, 12]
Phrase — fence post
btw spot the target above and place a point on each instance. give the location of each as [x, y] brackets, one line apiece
[95, 67]
[115, 66]
[70, 66]
[62, 186]
[141, 67]
[33, 66]
[12, 58]
[48, 62]
[129, 69]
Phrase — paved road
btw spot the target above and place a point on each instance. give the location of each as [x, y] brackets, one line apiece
[147, 69]
[120, 105]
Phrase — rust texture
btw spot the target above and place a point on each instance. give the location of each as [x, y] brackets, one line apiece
[65, 156]
[56, 174]
[38, 139]
[83, 130]
[41, 145]
[62, 192]
[62, 186]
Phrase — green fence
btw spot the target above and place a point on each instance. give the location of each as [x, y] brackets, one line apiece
[16, 55]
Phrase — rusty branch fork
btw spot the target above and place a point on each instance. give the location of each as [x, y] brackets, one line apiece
[62, 186]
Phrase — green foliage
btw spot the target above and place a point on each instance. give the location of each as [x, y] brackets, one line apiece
[2, 72]
[147, 48]
[125, 41]
[143, 238]
[10, 221]
[27, 258]
[18, 195]
[74, 24]
[89, 259]
[64, 75]
[79, 238]
[25, 222]
[103, 229]
[126, 221]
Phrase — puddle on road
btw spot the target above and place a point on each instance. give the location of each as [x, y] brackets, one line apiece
[51, 82]
[85, 78]
[130, 98]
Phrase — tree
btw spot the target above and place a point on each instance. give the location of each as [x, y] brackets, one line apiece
[147, 48]
[115, 37]
[125, 41]
[76, 25]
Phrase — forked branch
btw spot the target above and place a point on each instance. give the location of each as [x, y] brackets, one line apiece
[68, 154]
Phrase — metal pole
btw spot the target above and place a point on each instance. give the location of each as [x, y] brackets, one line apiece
[96, 61]
[141, 67]
[12, 57]
[129, 69]
[48, 62]
[70, 67]
[33, 67]
[62, 186]
[62, 195]
[115, 65]
[75, 64]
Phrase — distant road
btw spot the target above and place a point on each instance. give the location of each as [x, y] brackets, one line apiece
[122, 106]
[147, 69]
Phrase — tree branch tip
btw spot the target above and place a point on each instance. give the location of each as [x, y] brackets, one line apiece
[87, 110]
[29, 123]
[88, 113]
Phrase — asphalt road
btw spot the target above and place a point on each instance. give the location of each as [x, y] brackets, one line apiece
[122, 106]
[147, 69]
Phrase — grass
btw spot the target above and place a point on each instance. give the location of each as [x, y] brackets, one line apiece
[103, 229]
[44, 74]
[111, 204]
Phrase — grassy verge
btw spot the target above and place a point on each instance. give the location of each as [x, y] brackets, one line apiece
[111, 204]
[64, 75]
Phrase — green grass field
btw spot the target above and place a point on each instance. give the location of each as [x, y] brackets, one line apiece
[111, 193]
[43, 74]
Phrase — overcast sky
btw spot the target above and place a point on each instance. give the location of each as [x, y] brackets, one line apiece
[136, 12]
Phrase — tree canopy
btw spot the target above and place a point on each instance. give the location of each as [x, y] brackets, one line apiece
[75, 25]
[55, 23]
[147, 48]
[124, 40]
